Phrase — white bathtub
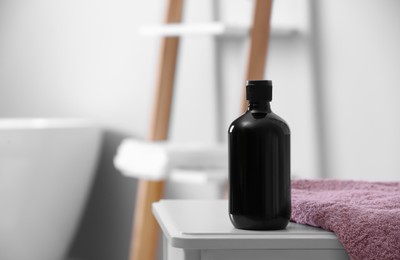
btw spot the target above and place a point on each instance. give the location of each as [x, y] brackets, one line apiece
[46, 169]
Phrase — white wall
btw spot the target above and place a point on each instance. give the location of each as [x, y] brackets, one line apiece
[360, 62]
[78, 58]
[85, 58]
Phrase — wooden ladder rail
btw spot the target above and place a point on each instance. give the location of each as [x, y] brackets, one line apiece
[258, 45]
[145, 233]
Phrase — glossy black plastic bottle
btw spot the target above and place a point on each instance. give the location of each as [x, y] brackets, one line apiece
[259, 164]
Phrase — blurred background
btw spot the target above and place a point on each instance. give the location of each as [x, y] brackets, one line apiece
[334, 64]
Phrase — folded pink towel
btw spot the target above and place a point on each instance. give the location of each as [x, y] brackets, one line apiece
[365, 216]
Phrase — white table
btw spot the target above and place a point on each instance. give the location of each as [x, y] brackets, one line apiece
[201, 230]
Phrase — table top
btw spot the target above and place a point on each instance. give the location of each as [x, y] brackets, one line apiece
[205, 224]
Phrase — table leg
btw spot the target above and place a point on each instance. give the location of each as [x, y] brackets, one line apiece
[191, 254]
[174, 253]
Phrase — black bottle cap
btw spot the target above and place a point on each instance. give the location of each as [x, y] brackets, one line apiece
[259, 90]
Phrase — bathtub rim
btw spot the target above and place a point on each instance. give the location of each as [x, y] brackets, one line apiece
[18, 123]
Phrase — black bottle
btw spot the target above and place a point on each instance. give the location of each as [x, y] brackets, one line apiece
[259, 164]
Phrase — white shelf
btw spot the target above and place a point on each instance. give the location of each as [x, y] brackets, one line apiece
[205, 224]
[204, 29]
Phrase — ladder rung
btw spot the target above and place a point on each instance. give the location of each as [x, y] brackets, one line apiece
[212, 28]
[215, 28]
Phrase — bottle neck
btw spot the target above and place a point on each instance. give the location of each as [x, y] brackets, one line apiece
[259, 106]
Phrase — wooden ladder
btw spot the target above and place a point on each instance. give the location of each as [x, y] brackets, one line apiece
[145, 233]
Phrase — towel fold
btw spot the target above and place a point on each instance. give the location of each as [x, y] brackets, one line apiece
[365, 216]
[155, 160]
